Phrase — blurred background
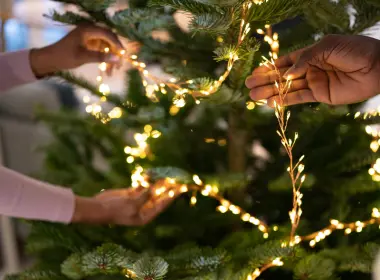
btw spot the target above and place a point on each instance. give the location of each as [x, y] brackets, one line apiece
[23, 26]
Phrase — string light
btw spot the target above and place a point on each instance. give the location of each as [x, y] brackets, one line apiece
[271, 39]
[374, 171]
[259, 2]
[170, 187]
[258, 271]
[142, 146]
[181, 89]
[348, 228]
[295, 169]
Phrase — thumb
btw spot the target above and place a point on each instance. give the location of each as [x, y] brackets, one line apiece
[299, 68]
[94, 56]
[141, 198]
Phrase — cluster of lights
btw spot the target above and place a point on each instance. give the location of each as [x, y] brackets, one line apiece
[368, 114]
[295, 169]
[181, 89]
[258, 271]
[170, 187]
[95, 108]
[271, 39]
[221, 142]
[259, 2]
[374, 171]
[142, 145]
[348, 228]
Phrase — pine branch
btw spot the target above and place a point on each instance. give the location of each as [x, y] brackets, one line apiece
[367, 15]
[194, 261]
[222, 3]
[213, 23]
[69, 18]
[275, 11]
[107, 259]
[187, 5]
[314, 267]
[89, 5]
[267, 252]
[72, 267]
[36, 275]
[150, 268]
[328, 16]
[62, 236]
[83, 83]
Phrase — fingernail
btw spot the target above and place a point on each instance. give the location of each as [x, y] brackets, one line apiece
[112, 58]
[247, 80]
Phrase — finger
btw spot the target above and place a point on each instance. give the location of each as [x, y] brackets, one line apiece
[109, 69]
[141, 198]
[94, 33]
[268, 91]
[285, 61]
[293, 98]
[307, 58]
[97, 57]
[110, 194]
[153, 208]
[133, 193]
[261, 79]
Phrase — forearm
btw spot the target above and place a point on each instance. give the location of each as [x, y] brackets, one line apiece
[24, 197]
[15, 69]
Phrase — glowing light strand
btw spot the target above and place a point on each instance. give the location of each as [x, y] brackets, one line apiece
[258, 271]
[142, 148]
[348, 228]
[170, 187]
[181, 88]
[295, 169]
[374, 171]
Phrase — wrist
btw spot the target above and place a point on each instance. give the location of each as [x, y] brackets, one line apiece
[89, 210]
[41, 62]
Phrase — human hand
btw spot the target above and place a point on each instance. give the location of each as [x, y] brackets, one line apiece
[131, 207]
[337, 70]
[85, 44]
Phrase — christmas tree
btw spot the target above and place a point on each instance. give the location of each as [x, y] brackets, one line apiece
[199, 134]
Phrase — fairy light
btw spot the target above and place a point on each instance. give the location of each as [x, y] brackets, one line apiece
[374, 170]
[193, 200]
[138, 178]
[141, 139]
[183, 89]
[258, 271]
[294, 169]
[86, 99]
[251, 105]
[348, 228]
[271, 39]
[170, 187]
[259, 2]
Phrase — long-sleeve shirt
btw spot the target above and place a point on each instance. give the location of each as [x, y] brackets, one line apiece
[21, 196]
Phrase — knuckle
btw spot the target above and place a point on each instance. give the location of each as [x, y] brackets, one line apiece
[253, 95]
